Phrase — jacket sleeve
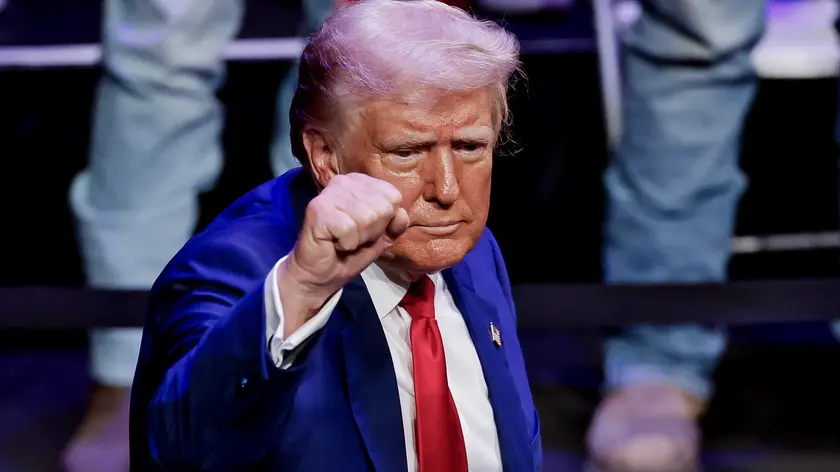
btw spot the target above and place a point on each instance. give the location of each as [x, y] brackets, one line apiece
[217, 396]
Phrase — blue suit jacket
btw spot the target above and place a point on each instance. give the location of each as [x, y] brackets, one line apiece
[207, 396]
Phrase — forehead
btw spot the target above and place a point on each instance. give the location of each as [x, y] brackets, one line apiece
[432, 112]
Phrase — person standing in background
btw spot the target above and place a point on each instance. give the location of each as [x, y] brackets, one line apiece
[155, 146]
[673, 188]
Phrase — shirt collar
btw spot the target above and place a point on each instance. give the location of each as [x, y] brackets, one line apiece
[384, 292]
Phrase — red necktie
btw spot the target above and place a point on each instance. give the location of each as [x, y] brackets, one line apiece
[440, 442]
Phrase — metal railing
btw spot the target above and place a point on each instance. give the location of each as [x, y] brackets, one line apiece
[546, 307]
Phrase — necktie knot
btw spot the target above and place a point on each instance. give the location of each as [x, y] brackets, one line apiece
[419, 301]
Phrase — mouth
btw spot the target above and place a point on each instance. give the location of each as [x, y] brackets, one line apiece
[438, 229]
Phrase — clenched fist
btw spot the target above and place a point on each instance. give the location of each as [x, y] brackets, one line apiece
[346, 228]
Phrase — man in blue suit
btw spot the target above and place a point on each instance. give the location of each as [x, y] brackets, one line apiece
[355, 314]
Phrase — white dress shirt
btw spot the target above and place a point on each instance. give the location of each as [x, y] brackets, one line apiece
[463, 368]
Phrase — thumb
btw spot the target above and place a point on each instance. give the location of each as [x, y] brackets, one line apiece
[398, 224]
[367, 254]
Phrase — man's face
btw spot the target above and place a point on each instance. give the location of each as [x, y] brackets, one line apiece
[440, 156]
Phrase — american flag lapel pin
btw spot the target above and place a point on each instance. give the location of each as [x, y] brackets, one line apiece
[495, 335]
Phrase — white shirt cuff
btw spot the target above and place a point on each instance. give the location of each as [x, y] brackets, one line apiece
[283, 350]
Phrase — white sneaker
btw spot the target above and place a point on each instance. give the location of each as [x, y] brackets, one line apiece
[799, 42]
[525, 6]
[645, 428]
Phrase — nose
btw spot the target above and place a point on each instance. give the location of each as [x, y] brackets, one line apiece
[441, 178]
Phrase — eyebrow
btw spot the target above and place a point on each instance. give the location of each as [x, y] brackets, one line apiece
[410, 142]
[480, 134]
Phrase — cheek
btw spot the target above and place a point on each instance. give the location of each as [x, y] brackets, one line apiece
[475, 188]
[412, 195]
[409, 184]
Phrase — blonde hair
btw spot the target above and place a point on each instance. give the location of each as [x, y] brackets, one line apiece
[380, 48]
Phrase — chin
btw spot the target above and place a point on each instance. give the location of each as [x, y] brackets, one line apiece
[431, 255]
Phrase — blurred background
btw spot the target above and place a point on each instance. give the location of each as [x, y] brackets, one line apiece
[776, 402]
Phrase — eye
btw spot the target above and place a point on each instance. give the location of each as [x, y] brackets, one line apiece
[404, 154]
[405, 157]
[470, 149]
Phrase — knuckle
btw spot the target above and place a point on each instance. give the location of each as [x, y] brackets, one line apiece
[338, 180]
[352, 179]
[314, 209]
[340, 227]
[391, 193]
[331, 195]
[385, 209]
[367, 218]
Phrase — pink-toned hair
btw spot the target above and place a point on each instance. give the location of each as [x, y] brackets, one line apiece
[398, 48]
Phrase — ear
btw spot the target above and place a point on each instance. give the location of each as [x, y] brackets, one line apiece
[323, 156]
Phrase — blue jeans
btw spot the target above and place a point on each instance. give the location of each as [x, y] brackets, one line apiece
[674, 183]
[156, 146]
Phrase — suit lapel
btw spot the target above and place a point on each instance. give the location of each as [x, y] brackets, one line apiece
[478, 313]
[371, 382]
